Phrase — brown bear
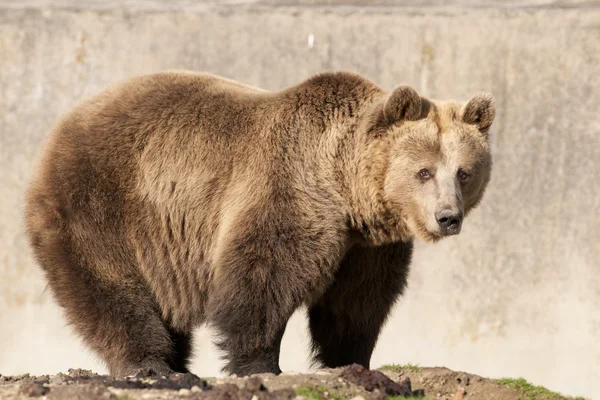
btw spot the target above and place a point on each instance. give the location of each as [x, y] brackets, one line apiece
[179, 198]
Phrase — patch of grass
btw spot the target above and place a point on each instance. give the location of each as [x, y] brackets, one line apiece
[308, 393]
[396, 367]
[318, 393]
[529, 391]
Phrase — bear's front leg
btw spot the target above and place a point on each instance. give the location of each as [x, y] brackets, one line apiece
[263, 276]
[346, 321]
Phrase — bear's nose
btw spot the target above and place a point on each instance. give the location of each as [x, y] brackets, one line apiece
[449, 221]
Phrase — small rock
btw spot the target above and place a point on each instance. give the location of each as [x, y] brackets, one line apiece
[225, 391]
[78, 373]
[289, 373]
[144, 373]
[266, 375]
[34, 389]
[459, 395]
[254, 384]
[196, 388]
[56, 380]
[464, 379]
[357, 398]
[322, 372]
[184, 392]
[128, 384]
[373, 380]
[187, 380]
[42, 379]
[406, 382]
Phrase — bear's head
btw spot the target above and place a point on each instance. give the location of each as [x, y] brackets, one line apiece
[439, 160]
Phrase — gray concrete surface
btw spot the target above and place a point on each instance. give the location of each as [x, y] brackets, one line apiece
[516, 294]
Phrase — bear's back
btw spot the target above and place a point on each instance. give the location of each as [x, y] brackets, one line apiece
[147, 126]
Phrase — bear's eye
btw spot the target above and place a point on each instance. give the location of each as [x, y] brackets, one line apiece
[463, 176]
[424, 174]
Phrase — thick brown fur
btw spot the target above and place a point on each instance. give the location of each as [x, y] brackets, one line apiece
[179, 198]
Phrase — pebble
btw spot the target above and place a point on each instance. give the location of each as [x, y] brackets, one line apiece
[196, 389]
[357, 398]
[289, 373]
[254, 384]
[185, 392]
[267, 375]
[34, 390]
[459, 395]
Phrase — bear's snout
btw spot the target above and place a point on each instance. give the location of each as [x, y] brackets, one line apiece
[449, 221]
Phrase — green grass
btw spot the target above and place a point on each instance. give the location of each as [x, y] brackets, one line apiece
[396, 367]
[531, 392]
[308, 393]
[318, 393]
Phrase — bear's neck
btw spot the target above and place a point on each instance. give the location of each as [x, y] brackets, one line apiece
[363, 160]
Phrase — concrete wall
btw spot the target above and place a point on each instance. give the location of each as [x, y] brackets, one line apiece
[516, 294]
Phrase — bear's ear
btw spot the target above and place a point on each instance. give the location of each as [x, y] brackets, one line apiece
[480, 111]
[404, 103]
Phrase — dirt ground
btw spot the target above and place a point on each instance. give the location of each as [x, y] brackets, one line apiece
[353, 382]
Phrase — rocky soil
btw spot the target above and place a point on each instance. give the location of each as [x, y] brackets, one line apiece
[353, 382]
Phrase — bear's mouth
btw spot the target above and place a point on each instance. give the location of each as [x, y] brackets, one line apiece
[438, 234]
[451, 231]
[442, 233]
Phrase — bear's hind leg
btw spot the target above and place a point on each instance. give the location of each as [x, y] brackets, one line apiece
[124, 327]
[345, 323]
[115, 315]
